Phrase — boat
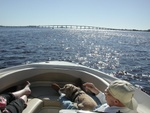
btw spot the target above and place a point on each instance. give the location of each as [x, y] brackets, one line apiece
[41, 75]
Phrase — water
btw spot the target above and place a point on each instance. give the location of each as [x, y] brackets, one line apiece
[105, 50]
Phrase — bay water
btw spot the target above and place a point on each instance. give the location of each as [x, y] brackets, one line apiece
[110, 51]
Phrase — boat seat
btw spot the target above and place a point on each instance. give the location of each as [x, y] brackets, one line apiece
[46, 94]
[33, 106]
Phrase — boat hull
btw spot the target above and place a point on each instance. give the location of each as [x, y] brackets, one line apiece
[43, 74]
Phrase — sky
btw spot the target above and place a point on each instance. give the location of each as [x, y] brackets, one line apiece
[121, 14]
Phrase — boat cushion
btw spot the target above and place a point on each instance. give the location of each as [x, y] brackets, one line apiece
[33, 106]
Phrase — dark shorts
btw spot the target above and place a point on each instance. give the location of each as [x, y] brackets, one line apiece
[14, 105]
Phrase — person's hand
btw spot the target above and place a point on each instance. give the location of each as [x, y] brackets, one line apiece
[3, 102]
[91, 87]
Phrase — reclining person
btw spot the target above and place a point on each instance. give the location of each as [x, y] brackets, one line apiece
[117, 98]
[14, 102]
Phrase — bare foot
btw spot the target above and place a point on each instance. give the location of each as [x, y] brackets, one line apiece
[27, 88]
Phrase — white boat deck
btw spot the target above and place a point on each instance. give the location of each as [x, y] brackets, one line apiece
[43, 98]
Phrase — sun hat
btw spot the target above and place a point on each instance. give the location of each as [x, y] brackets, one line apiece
[124, 92]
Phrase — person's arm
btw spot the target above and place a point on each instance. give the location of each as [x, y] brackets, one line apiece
[91, 87]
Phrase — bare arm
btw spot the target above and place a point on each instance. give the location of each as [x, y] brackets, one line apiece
[91, 87]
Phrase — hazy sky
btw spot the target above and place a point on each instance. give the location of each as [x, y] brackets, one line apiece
[124, 14]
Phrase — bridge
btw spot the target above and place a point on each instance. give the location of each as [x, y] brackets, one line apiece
[72, 27]
[64, 26]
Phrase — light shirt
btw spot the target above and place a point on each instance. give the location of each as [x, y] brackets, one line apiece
[113, 109]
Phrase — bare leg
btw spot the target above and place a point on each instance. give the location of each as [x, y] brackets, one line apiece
[24, 97]
[25, 91]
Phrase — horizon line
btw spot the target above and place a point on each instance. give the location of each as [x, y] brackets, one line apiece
[62, 26]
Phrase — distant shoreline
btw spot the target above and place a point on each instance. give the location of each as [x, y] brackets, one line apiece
[72, 27]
